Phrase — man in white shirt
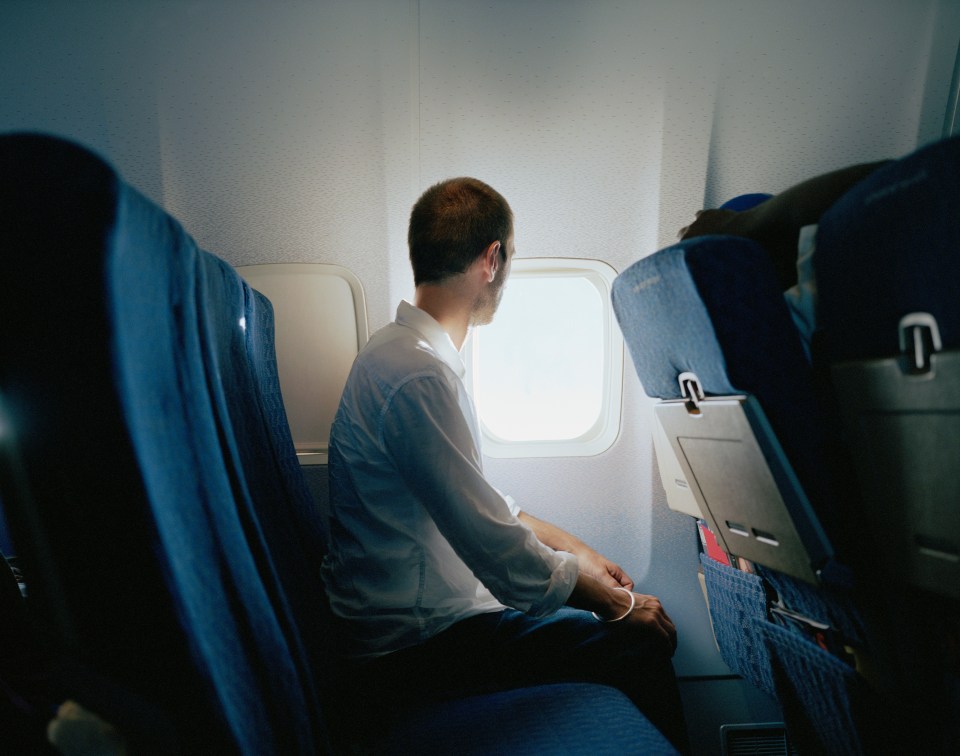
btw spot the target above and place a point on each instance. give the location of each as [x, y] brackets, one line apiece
[443, 586]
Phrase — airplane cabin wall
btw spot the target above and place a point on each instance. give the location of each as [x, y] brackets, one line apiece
[304, 131]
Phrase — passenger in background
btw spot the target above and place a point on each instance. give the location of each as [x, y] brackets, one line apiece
[774, 224]
[445, 588]
[785, 226]
[922, 642]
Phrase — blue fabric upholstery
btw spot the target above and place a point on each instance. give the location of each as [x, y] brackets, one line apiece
[889, 247]
[135, 539]
[738, 605]
[828, 707]
[579, 719]
[828, 605]
[283, 518]
[170, 540]
[60, 398]
[712, 305]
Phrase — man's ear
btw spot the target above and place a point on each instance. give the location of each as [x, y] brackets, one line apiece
[491, 261]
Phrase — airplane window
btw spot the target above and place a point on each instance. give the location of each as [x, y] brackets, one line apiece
[547, 373]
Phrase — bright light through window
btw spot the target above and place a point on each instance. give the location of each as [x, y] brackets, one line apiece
[541, 372]
[546, 373]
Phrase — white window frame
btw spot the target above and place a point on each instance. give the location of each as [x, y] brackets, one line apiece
[605, 430]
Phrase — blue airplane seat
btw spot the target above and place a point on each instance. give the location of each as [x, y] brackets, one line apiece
[118, 483]
[713, 341]
[888, 267]
[888, 271]
[271, 498]
[284, 522]
[705, 319]
[517, 723]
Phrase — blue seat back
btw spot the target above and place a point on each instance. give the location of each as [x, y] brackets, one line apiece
[888, 270]
[128, 499]
[889, 247]
[283, 519]
[712, 306]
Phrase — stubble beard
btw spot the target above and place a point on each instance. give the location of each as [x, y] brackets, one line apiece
[487, 302]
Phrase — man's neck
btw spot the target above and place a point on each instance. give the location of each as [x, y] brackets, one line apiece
[446, 304]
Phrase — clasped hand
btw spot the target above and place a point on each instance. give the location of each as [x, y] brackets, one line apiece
[647, 610]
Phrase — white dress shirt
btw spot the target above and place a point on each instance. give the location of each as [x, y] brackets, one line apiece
[802, 297]
[418, 538]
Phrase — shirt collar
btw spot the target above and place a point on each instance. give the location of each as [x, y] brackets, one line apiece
[432, 332]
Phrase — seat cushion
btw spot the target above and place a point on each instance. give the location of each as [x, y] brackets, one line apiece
[570, 719]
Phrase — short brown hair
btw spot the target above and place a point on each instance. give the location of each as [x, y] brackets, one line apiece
[450, 226]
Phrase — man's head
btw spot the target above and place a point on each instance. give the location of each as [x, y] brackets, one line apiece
[453, 224]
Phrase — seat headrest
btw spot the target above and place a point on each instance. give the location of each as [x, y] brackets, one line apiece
[889, 247]
[712, 306]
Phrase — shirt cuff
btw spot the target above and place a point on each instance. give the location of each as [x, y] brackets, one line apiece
[563, 579]
[511, 503]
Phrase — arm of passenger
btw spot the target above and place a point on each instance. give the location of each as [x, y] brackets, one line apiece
[427, 435]
[599, 579]
[591, 562]
[776, 223]
[620, 605]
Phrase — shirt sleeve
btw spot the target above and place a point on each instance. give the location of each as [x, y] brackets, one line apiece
[427, 436]
[802, 297]
[511, 503]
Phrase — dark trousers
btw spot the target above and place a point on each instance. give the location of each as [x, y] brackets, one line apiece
[508, 649]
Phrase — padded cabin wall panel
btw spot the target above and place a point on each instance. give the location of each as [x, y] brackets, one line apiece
[846, 88]
[321, 324]
[288, 134]
[936, 120]
[273, 132]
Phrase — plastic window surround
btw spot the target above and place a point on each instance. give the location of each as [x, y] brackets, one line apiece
[605, 426]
